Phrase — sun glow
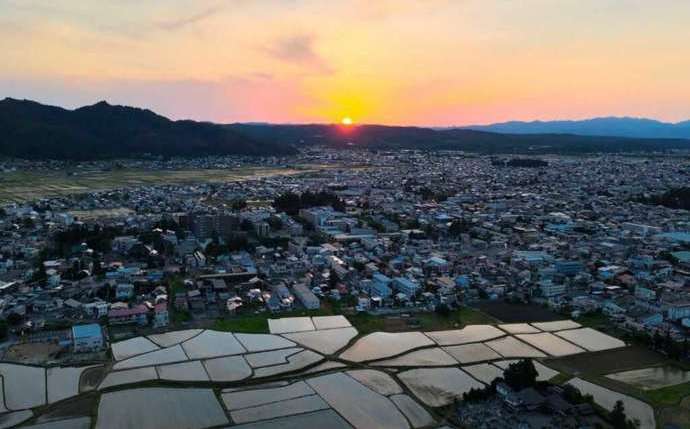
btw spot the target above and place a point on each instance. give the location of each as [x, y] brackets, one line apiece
[346, 121]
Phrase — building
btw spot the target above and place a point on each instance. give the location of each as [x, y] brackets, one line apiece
[306, 297]
[550, 289]
[124, 291]
[87, 338]
[568, 268]
[679, 310]
[160, 315]
[406, 286]
[380, 286]
[207, 226]
[138, 315]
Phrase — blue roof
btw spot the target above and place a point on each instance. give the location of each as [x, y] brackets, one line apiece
[682, 256]
[406, 282]
[82, 331]
[683, 237]
[378, 277]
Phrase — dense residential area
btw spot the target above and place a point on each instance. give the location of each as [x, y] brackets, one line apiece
[399, 241]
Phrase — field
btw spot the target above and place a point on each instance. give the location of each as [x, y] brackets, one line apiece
[258, 323]
[364, 322]
[19, 186]
[671, 404]
[515, 313]
[606, 362]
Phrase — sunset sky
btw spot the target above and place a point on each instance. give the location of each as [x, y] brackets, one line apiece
[431, 62]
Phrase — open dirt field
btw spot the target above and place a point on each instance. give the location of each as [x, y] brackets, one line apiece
[516, 313]
[21, 186]
[608, 361]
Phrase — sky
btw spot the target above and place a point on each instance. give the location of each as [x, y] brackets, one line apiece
[405, 62]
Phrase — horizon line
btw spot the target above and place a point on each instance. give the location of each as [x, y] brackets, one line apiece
[356, 124]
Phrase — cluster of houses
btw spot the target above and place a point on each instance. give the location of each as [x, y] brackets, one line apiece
[415, 231]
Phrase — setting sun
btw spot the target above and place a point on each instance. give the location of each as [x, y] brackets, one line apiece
[346, 121]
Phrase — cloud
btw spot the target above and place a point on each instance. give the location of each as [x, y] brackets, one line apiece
[176, 24]
[299, 50]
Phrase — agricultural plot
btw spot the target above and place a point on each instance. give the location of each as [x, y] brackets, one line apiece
[425, 357]
[23, 186]
[652, 378]
[326, 342]
[607, 398]
[380, 345]
[470, 353]
[550, 344]
[437, 387]
[326, 376]
[484, 372]
[468, 334]
[609, 361]
[590, 339]
[377, 381]
[154, 408]
[511, 347]
[63, 383]
[360, 406]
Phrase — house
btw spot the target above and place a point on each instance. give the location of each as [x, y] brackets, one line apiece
[281, 298]
[550, 289]
[160, 315]
[380, 286]
[123, 316]
[568, 268]
[96, 309]
[406, 286]
[124, 291]
[526, 399]
[87, 338]
[679, 310]
[306, 296]
[436, 265]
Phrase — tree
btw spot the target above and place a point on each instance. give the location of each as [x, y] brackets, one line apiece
[246, 225]
[458, 227]
[443, 310]
[618, 418]
[14, 319]
[239, 204]
[97, 269]
[572, 394]
[28, 223]
[520, 375]
[275, 223]
[333, 278]
[657, 340]
[288, 202]
[40, 274]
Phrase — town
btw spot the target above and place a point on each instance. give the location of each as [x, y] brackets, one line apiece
[395, 241]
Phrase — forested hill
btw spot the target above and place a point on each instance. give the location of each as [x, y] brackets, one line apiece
[35, 131]
[389, 137]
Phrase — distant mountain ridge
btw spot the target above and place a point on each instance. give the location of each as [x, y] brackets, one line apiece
[35, 131]
[608, 126]
[32, 130]
[395, 138]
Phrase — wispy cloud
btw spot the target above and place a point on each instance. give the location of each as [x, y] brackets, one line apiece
[181, 22]
[299, 49]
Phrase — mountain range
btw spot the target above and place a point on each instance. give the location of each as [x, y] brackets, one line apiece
[35, 131]
[611, 126]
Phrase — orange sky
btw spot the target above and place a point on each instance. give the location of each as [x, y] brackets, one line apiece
[426, 62]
